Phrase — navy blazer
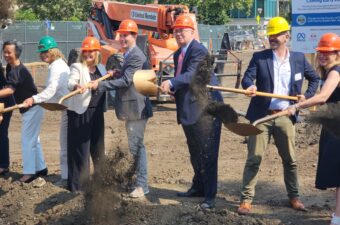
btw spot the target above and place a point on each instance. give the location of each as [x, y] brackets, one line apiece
[261, 70]
[188, 109]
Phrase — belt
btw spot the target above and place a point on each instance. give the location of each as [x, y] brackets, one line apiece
[272, 112]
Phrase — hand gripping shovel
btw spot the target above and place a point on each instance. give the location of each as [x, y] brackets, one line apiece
[71, 94]
[258, 93]
[246, 129]
[145, 82]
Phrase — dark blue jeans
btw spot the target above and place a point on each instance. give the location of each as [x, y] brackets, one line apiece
[4, 142]
[203, 139]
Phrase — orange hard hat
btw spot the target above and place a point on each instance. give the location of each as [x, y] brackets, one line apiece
[184, 21]
[128, 26]
[329, 42]
[90, 44]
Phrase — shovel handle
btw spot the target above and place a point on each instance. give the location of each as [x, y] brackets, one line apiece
[73, 93]
[259, 93]
[271, 117]
[9, 109]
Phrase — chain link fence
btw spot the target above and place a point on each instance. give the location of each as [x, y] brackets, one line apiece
[69, 35]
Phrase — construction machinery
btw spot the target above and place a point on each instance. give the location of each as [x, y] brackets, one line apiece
[154, 21]
[155, 39]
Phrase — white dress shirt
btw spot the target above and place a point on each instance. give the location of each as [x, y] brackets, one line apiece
[282, 81]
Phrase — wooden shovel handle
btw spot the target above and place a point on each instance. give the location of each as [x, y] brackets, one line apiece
[271, 117]
[259, 93]
[14, 107]
[69, 95]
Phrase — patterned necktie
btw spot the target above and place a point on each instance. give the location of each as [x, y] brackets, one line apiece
[179, 64]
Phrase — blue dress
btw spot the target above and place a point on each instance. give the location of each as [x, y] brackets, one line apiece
[328, 171]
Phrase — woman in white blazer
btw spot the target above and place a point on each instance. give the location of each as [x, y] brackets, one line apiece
[85, 116]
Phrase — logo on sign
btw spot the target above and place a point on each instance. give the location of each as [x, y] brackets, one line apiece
[301, 20]
[142, 15]
[301, 37]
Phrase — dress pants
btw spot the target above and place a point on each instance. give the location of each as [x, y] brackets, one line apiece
[283, 131]
[32, 154]
[85, 138]
[203, 139]
[4, 141]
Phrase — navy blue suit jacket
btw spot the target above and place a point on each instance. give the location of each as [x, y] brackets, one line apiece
[261, 70]
[188, 109]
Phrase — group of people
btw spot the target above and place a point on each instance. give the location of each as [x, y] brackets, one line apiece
[276, 70]
[82, 124]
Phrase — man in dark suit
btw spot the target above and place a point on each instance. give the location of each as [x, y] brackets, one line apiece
[131, 106]
[280, 71]
[202, 131]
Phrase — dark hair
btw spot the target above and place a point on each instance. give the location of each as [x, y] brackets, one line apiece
[17, 44]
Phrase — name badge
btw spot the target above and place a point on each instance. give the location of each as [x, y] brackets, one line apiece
[298, 76]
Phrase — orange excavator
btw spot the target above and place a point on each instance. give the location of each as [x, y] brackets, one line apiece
[155, 28]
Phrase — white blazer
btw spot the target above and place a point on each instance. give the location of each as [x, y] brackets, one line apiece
[79, 74]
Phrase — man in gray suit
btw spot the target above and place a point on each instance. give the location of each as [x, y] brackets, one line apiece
[131, 106]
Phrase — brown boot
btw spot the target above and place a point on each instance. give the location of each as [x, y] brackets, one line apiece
[244, 208]
[297, 204]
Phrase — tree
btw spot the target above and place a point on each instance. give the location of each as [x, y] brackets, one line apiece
[56, 9]
[7, 9]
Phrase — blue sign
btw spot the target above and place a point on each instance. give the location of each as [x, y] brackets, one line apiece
[316, 19]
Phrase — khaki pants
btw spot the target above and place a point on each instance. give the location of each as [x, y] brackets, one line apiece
[283, 131]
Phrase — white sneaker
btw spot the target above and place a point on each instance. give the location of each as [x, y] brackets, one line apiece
[61, 183]
[138, 193]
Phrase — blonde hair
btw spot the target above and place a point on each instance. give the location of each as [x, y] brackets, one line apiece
[97, 59]
[323, 70]
[56, 54]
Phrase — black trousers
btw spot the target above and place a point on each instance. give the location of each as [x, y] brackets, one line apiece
[85, 137]
[203, 139]
[4, 142]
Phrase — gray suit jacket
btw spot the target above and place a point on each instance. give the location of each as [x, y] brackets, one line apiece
[129, 104]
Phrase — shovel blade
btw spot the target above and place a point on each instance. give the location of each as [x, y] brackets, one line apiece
[53, 106]
[243, 129]
[144, 82]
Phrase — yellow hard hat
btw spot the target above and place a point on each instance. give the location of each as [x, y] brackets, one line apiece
[277, 25]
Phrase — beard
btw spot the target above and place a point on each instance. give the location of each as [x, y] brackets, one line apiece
[274, 44]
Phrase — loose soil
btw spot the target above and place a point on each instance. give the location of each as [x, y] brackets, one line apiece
[105, 201]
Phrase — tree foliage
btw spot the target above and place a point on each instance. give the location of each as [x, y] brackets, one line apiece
[56, 9]
[209, 11]
[7, 9]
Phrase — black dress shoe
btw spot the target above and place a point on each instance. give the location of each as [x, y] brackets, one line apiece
[30, 179]
[190, 193]
[4, 171]
[42, 172]
[208, 204]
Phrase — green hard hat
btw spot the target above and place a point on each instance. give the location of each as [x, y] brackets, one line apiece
[46, 43]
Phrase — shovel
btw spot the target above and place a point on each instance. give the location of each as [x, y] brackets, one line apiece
[246, 129]
[78, 91]
[145, 82]
[258, 93]
[8, 109]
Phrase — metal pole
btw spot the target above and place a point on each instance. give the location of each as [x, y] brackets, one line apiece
[277, 7]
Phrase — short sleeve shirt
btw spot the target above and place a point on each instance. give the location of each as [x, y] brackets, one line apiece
[21, 80]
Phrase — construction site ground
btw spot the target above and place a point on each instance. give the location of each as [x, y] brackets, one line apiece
[169, 171]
